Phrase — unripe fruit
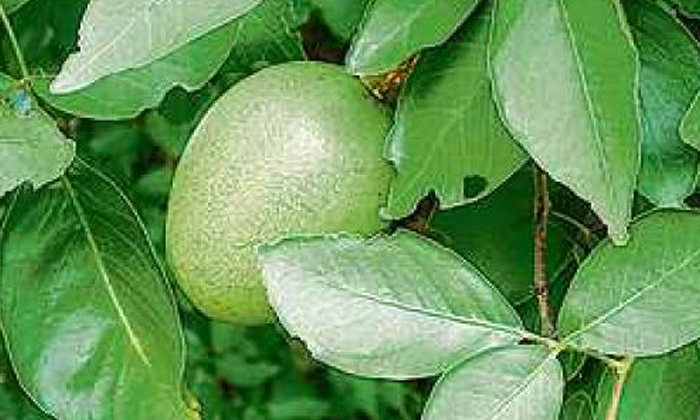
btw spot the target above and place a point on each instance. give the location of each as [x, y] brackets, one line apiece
[294, 149]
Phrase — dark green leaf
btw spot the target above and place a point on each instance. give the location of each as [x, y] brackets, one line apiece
[669, 79]
[447, 127]
[690, 125]
[523, 383]
[111, 34]
[341, 16]
[32, 149]
[87, 314]
[12, 5]
[578, 406]
[258, 38]
[640, 299]
[393, 30]
[495, 235]
[395, 307]
[662, 388]
[551, 61]
[689, 7]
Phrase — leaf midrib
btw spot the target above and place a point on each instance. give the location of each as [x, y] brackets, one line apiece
[634, 297]
[104, 275]
[603, 159]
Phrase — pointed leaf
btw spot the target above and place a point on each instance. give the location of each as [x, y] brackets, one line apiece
[120, 35]
[89, 320]
[395, 307]
[393, 30]
[670, 76]
[641, 299]
[32, 149]
[125, 94]
[523, 383]
[551, 61]
[661, 388]
[447, 127]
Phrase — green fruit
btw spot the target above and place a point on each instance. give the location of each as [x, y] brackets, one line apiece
[294, 149]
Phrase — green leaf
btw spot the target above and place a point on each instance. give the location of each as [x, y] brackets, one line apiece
[341, 16]
[688, 7]
[495, 235]
[523, 383]
[112, 35]
[641, 299]
[669, 79]
[447, 127]
[258, 38]
[690, 124]
[393, 30]
[11, 6]
[87, 314]
[551, 61]
[395, 307]
[14, 403]
[578, 406]
[32, 149]
[662, 388]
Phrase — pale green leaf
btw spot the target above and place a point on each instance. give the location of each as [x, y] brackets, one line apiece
[641, 299]
[396, 307]
[87, 314]
[578, 406]
[447, 127]
[393, 30]
[661, 388]
[120, 35]
[258, 38]
[670, 77]
[551, 61]
[32, 149]
[523, 383]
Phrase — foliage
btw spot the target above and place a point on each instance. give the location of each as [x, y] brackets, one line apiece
[583, 114]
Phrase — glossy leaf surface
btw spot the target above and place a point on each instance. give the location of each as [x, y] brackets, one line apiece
[550, 62]
[393, 30]
[447, 128]
[670, 77]
[395, 307]
[523, 383]
[110, 30]
[87, 315]
[640, 299]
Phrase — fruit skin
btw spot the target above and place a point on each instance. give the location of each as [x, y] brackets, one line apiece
[294, 149]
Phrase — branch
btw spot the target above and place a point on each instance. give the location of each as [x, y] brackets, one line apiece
[621, 376]
[541, 286]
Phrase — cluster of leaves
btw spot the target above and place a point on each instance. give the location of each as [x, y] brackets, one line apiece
[601, 95]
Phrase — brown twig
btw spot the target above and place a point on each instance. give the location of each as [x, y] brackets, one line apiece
[541, 286]
[621, 373]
